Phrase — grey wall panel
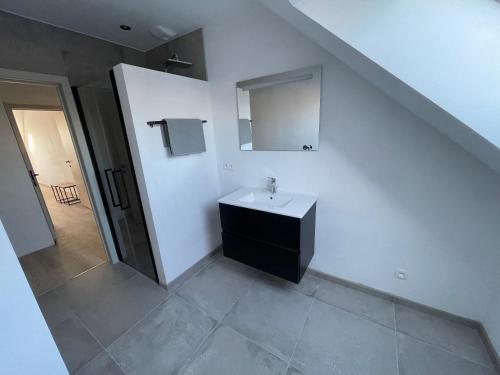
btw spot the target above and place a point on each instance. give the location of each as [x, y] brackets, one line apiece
[37, 47]
[188, 47]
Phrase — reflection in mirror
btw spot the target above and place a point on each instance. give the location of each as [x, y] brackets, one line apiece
[280, 112]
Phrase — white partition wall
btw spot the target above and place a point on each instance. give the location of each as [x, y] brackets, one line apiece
[178, 193]
[26, 347]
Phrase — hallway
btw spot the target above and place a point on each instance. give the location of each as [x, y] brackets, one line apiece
[78, 247]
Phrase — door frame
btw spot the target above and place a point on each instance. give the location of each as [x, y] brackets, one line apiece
[9, 108]
[68, 105]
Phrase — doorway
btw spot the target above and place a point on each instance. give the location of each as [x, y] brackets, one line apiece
[54, 208]
[62, 239]
[95, 173]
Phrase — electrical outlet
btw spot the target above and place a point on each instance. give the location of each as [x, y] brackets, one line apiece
[228, 166]
[401, 274]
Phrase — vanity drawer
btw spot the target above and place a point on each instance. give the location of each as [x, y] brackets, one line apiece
[265, 227]
[274, 260]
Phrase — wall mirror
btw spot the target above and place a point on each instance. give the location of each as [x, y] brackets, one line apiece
[280, 112]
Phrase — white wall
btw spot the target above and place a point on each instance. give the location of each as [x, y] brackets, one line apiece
[415, 101]
[178, 193]
[393, 192]
[446, 49]
[49, 145]
[70, 154]
[44, 145]
[27, 346]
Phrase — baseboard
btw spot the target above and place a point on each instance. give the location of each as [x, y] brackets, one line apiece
[202, 263]
[214, 254]
[421, 307]
[491, 348]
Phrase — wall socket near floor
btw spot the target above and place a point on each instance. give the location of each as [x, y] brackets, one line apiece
[401, 274]
[227, 166]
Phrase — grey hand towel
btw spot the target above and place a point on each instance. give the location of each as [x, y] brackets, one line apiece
[185, 136]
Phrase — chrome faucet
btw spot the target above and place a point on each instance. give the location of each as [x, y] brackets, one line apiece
[271, 186]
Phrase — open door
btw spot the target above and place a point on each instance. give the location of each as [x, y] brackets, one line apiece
[29, 166]
[28, 221]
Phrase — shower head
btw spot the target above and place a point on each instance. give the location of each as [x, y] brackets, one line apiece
[174, 61]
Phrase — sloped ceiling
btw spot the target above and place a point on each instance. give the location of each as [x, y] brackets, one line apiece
[439, 58]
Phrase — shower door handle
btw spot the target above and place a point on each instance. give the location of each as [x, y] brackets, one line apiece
[113, 201]
[121, 173]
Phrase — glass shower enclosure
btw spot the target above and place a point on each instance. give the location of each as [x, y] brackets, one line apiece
[100, 113]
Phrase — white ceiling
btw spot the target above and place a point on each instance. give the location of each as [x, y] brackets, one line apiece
[102, 18]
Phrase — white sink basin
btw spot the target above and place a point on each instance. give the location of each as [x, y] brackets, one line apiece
[278, 199]
[283, 202]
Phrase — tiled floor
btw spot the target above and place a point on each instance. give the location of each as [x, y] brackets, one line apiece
[78, 247]
[230, 319]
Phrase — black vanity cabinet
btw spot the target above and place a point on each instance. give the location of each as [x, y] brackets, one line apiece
[278, 244]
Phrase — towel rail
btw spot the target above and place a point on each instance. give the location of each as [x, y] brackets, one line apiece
[163, 122]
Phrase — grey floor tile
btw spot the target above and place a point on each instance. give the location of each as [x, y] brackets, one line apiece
[115, 312]
[78, 247]
[93, 284]
[102, 364]
[76, 345]
[271, 315]
[51, 267]
[54, 308]
[204, 262]
[164, 340]
[228, 352]
[418, 358]
[335, 341]
[308, 285]
[293, 371]
[369, 306]
[217, 287]
[67, 260]
[458, 338]
[48, 268]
